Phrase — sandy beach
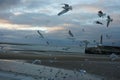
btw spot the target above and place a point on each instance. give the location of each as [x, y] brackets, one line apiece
[15, 70]
[100, 65]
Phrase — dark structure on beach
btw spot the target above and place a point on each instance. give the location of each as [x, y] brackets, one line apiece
[103, 50]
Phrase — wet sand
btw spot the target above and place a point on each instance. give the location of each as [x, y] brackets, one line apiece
[54, 56]
[26, 71]
[110, 70]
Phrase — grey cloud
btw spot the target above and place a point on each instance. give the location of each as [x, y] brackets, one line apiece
[30, 4]
[32, 19]
[5, 16]
[40, 19]
[6, 4]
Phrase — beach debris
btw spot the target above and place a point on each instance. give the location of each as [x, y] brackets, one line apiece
[98, 22]
[51, 61]
[101, 14]
[82, 71]
[1, 47]
[66, 8]
[36, 61]
[40, 34]
[109, 19]
[113, 56]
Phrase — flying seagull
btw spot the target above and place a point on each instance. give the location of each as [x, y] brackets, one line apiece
[108, 36]
[109, 19]
[83, 30]
[47, 43]
[70, 33]
[40, 34]
[98, 22]
[101, 14]
[66, 8]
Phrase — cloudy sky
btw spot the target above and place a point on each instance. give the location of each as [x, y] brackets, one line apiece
[20, 20]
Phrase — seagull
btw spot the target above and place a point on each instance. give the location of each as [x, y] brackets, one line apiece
[83, 30]
[47, 43]
[101, 14]
[98, 22]
[109, 19]
[66, 8]
[108, 36]
[70, 33]
[40, 34]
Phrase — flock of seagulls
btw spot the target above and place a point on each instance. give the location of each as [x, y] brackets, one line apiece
[102, 14]
[67, 8]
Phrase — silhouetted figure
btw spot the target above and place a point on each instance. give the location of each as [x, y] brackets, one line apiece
[101, 39]
[101, 14]
[109, 19]
[66, 9]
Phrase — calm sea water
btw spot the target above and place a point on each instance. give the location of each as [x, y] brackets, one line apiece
[37, 47]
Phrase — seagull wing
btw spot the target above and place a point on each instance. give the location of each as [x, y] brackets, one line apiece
[108, 22]
[62, 12]
[108, 17]
[98, 22]
[66, 5]
[40, 34]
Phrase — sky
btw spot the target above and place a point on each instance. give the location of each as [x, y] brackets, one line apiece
[20, 20]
